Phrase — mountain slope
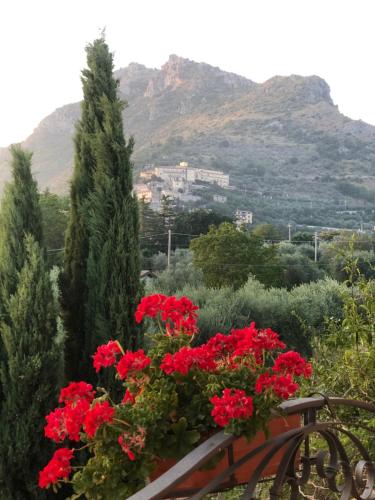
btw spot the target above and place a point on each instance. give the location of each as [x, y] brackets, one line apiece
[283, 138]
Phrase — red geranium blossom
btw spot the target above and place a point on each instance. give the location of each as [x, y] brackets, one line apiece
[106, 355]
[186, 358]
[57, 468]
[292, 362]
[250, 340]
[282, 386]
[233, 404]
[66, 422]
[99, 414]
[76, 391]
[178, 314]
[150, 306]
[132, 361]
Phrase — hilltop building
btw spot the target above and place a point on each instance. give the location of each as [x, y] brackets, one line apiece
[177, 182]
[243, 217]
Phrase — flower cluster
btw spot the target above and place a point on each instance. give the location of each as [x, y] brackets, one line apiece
[187, 358]
[179, 315]
[132, 362]
[234, 404]
[57, 468]
[106, 355]
[292, 363]
[67, 421]
[173, 395]
[98, 415]
[282, 386]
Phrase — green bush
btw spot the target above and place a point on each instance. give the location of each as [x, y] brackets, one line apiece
[294, 314]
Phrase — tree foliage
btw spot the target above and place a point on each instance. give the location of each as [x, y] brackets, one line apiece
[227, 256]
[55, 210]
[113, 265]
[101, 265]
[20, 215]
[32, 375]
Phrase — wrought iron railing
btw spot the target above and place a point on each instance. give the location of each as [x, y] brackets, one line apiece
[333, 464]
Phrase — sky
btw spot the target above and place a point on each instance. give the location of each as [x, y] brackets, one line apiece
[42, 46]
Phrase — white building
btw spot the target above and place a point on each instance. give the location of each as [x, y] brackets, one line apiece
[243, 217]
[143, 192]
[219, 198]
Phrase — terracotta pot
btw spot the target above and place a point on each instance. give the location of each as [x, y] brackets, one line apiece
[200, 478]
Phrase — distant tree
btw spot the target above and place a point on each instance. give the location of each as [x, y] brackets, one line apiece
[267, 232]
[99, 87]
[302, 237]
[227, 256]
[55, 212]
[33, 373]
[153, 237]
[113, 264]
[296, 266]
[192, 224]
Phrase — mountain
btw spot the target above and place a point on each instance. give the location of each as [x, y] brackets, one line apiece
[283, 139]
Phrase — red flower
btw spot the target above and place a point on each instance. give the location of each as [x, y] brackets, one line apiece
[55, 428]
[132, 361]
[128, 398]
[57, 468]
[221, 345]
[66, 422]
[264, 381]
[253, 341]
[75, 392]
[178, 314]
[106, 355]
[291, 362]
[74, 417]
[282, 386]
[233, 404]
[186, 358]
[149, 306]
[99, 414]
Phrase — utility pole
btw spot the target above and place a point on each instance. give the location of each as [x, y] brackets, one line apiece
[169, 248]
[290, 233]
[316, 246]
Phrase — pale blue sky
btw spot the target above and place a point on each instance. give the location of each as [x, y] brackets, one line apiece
[42, 46]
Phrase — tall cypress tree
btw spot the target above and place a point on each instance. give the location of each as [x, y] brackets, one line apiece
[20, 215]
[29, 364]
[113, 271]
[33, 350]
[97, 82]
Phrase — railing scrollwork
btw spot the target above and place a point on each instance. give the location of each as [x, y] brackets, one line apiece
[346, 474]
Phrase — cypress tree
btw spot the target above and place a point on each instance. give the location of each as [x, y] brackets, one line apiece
[113, 271]
[20, 215]
[97, 82]
[29, 354]
[33, 371]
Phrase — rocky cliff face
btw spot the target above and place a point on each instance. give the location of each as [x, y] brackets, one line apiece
[283, 132]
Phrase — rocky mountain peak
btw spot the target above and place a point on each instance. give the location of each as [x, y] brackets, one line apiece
[298, 89]
[181, 72]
